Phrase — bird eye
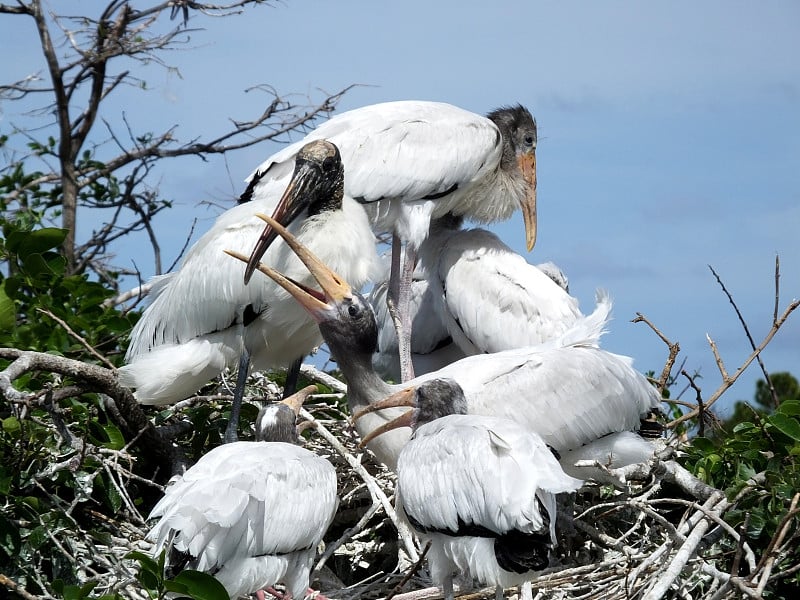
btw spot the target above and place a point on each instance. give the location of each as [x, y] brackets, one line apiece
[529, 140]
[352, 310]
[328, 164]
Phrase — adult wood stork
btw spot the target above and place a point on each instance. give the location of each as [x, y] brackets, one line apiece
[411, 161]
[251, 513]
[481, 489]
[203, 317]
[568, 390]
[515, 304]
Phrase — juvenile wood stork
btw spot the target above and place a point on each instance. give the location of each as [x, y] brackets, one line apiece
[251, 513]
[481, 489]
[515, 304]
[203, 317]
[568, 390]
[411, 161]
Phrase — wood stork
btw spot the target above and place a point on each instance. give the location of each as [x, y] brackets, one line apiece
[515, 305]
[411, 161]
[481, 489]
[251, 513]
[568, 390]
[203, 317]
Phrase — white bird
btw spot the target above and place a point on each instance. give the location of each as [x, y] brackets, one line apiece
[480, 296]
[481, 489]
[409, 162]
[568, 390]
[203, 317]
[251, 513]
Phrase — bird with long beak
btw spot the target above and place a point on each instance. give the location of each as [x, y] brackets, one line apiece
[481, 489]
[204, 318]
[409, 162]
[251, 513]
[568, 390]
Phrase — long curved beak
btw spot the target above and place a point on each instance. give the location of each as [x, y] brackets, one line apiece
[334, 288]
[527, 164]
[404, 397]
[295, 401]
[295, 198]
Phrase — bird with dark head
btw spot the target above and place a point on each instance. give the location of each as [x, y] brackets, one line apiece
[204, 318]
[481, 489]
[243, 512]
[568, 391]
[412, 161]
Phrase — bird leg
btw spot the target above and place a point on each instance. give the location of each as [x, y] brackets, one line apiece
[447, 587]
[292, 374]
[231, 434]
[399, 301]
[498, 592]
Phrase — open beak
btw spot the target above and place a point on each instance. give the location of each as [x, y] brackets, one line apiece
[334, 288]
[404, 397]
[527, 164]
[295, 198]
[295, 401]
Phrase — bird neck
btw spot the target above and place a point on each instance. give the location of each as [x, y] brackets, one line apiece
[364, 385]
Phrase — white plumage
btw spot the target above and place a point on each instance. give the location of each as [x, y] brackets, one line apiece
[203, 315]
[472, 294]
[411, 161]
[568, 391]
[250, 513]
[481, 489]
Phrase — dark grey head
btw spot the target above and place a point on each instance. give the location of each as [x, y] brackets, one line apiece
[518, 128]
[276, 422]
[316, 186]
[350, 327]
[437, 398]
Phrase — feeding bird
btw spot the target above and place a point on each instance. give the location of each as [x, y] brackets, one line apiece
[203, 317]
[481, 489]
[568, 390]
[251, 513]
[411, 161]
[476, 295]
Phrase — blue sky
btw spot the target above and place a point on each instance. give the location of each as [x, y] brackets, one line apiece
[669, 138]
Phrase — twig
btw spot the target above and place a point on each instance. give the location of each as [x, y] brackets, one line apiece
[81, 340]
[674, 349]
[417, 565]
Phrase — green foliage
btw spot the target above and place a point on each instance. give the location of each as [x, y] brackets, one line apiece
[187, 584]
[758, 464]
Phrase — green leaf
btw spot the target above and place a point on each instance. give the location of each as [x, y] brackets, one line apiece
[786, 425]
[789, 408]
[35, 242]
[11, 425]
[8, 313]
[116, 441]
[200, 586]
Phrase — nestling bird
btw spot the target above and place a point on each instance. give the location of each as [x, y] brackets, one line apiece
[251, 513]
[481, 489]
[474, 294]
[568, 391]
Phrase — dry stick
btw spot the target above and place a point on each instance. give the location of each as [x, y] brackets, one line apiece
[82, 341]
[747, 329]
[674, 349]
[772, 550]
[321, 377]
[678, 562]
[12, 585]
[374, 488]
[410, 574]
[730, 380]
